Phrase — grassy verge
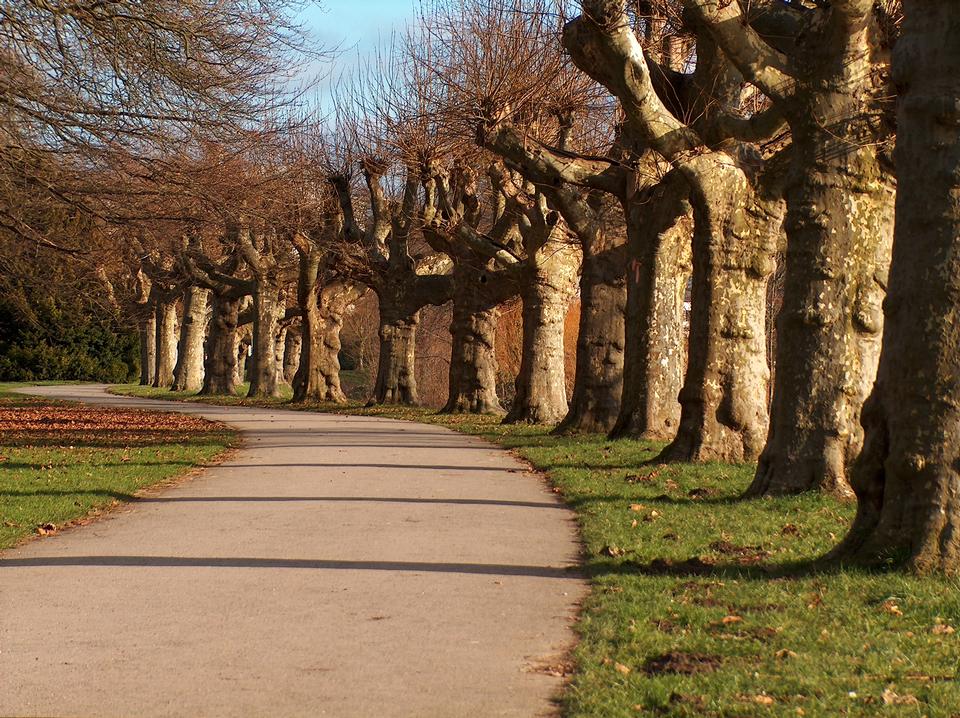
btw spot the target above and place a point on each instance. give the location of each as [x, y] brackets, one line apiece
[61, 464]
[706, 605]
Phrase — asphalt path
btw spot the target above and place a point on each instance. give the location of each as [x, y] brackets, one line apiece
[334, 566]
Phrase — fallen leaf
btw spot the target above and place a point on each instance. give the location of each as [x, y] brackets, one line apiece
[891, 607]
[637, 507]
[731, 619]
[942, 629]
[613, 551]
[763, 700]
[784, 653]
[890, 698]
[620, 668]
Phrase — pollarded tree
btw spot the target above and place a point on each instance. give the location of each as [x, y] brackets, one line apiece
[906, 478]
[736, 221]
[825, 68]
[381, 258]
[504, 71]
[477, 236]
[549, 264]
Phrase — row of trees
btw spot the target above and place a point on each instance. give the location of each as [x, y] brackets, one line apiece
[651, 157]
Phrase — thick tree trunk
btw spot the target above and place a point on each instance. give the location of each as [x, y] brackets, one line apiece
[166, 346]
[396, 381]
[242, 350]
[318, 376]
[188, 374]
[279, 351]
[148, 344]
[907, 476]
[548, 282]
[220, 363]
[292, 343]
[473, 330]
[263, 362]
[659, 266]
[839, 232]
[598, 382]
[723, 415]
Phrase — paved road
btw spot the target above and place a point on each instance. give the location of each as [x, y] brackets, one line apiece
[336, 566]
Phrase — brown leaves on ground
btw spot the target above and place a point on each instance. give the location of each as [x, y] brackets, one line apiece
[681, 662]
[53, 425]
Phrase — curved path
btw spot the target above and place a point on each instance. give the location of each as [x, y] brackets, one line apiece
[335, 566]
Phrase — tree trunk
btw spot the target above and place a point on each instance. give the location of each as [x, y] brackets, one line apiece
[396, 381]
[148, 344]
[292, 343]
[723, 403]
[659, 267]
[598, 382]
[473, 330]
[266, 318]
[188, 374]
[318, 376]
[839, 233]
[906, 478]
[166, 346]
[548, 281]
[279, 352]
[220, 363]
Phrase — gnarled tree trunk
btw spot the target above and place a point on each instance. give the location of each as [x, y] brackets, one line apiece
[657, 272]
[166, 344]
[267, 310]
[907, 476]
[839, 235]
[396, 381]
[724, 397]
[292, 343]
[220, 363]
[598, 382]
[188, 374]
[473, 329]
[147, 328]
[318, 376]
[547, 283]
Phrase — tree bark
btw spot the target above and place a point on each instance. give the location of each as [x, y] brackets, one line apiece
[188, 374]
[723, 415]
[547, 283]
[839, 236]
[148, 343]
[318, 376]
[906, 478]
[220, 363]
[598, 382]
[263, 369]
[396, 381]
[166, 345]
[473, 329]
[292, 343]
[658, 245]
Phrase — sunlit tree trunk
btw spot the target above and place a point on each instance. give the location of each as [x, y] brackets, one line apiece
[188, 374]
[220, 363]
[907, 476]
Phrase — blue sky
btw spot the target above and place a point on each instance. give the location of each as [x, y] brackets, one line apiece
[356, 27]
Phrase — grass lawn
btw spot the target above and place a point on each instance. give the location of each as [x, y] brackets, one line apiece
[706, 605]
[61, 463]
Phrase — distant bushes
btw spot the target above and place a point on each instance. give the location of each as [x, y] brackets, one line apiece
[55, 339]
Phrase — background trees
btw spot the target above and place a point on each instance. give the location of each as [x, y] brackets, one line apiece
[652, 161]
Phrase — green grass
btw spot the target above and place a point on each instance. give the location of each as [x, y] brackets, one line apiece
[671, 552]
[59, 477]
